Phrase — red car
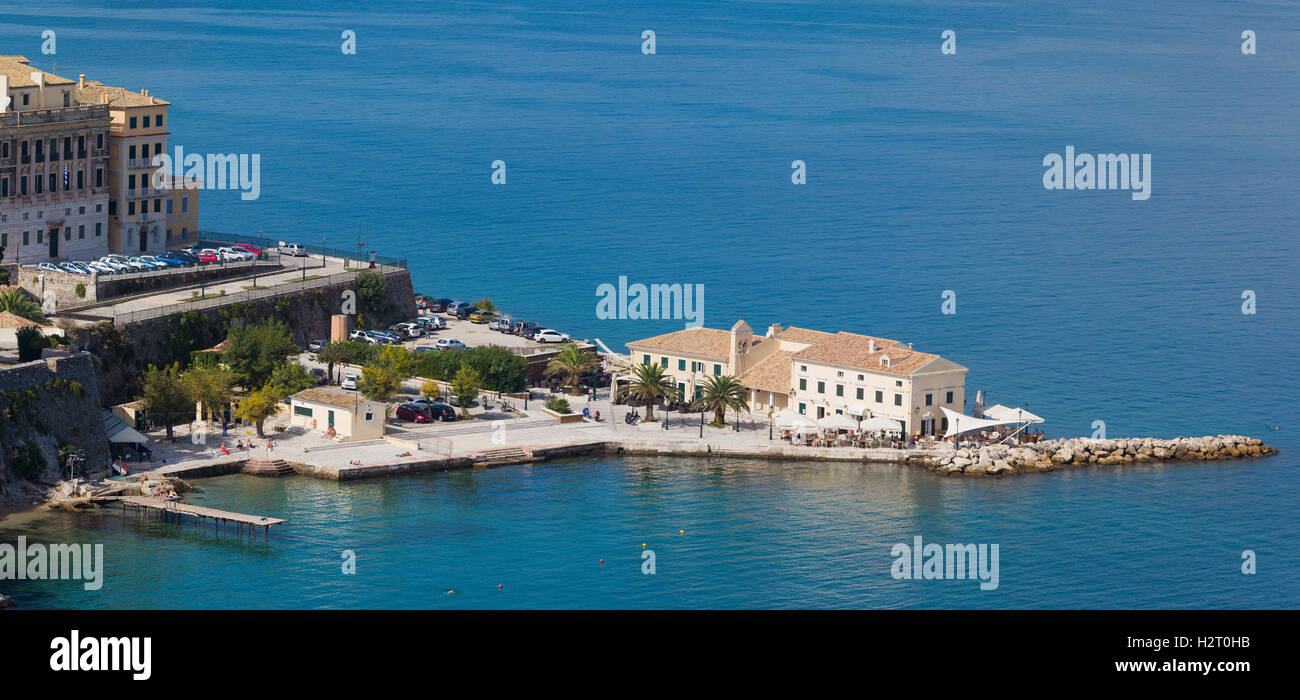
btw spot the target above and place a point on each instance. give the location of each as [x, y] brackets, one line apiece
[205, 257]
[412, 412]
[249, 247]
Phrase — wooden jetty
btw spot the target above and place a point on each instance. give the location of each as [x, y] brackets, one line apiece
[147, 506]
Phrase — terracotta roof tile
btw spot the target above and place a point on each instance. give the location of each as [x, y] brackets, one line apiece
[854, 350]
[708, 342]
[772, 374]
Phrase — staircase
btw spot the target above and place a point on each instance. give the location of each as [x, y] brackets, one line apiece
[502, 456]
[267, 467]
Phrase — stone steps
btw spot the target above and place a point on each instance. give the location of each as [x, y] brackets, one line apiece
[501, 456]
[267, 467]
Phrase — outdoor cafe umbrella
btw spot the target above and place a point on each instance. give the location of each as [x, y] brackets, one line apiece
[835, 421]
[876, 423]
[790, 419]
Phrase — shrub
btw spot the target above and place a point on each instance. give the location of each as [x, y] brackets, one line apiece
[27, 462]
[80, 290]
[30, 344]
[558, 404]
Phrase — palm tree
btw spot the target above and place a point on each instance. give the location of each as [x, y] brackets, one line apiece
[718, 393]
[19, 303]
[572, 362]
[649, 384]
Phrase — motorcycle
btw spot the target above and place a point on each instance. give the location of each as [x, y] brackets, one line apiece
[632, 418]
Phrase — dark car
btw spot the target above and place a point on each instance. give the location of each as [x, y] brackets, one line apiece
[464, 312]
[414, 412]
[438, 306]
[320, 375]
[528, 329]
[183, 255]
[437, 409]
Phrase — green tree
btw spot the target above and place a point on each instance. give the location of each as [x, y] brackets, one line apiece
[211, 387]
[465, 386]
[720, 392]
[571, 363]
[258, 406]
[165, 396]
[648, 385]
[254, 351]
[27, 461]
[383, 378]
[372, 289]
[30, 343]
[484, 304]
[19, 303]
[290, 378]
[500, 369]
[346, 352]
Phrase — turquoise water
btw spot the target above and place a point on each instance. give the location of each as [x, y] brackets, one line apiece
[924, 175]
[758, 534]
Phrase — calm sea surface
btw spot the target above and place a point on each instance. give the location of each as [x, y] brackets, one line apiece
[924, 175]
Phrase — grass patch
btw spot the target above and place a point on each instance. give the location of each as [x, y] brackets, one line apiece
[311, 277]
[253, 287]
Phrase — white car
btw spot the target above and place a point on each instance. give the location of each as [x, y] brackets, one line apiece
[450, 344]
[115, 265]
[100, 266]
[547, 335]
[236, 254]
[293, 249]
[349, 382]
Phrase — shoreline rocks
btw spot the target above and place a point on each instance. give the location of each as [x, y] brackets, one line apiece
[1049, 455]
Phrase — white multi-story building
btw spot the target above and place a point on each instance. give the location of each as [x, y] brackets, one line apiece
[814, 373]
[54, 153]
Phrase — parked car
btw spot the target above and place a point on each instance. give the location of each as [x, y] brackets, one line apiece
[415, 412]
[117, 265]
[236, 254]
[482, 316]
[294, 250]
[128, 263]
[101, 267]
[159, 262]
[436, 408]
[176, 259]
[437, 306]
[70, 269]
[450, 344]
[386, 337]
[455, 307]
[501, 324]
[547, 335]
[361, 336]
[249, 248]
[145, 263]
[316, 345]
[465, 312]
[431, 323]
[320, 375]
[182, 254]
[407, 330]
[425, 348]
[527, 329]
[350, 382]
[211, 255]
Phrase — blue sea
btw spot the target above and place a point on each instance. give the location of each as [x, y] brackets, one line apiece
[924, 175]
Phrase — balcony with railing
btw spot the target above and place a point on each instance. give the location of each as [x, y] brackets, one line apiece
[54, 116]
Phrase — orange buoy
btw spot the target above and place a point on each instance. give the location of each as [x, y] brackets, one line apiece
[498, 586]
[602, 561]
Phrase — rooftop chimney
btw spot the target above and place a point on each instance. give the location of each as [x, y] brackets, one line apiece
[871, 346]
[81, 80]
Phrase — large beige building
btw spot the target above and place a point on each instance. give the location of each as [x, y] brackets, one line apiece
[137, 215]
[814, 372]
[54, 163]
[76, 170]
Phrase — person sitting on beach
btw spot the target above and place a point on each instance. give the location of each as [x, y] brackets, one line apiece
[239, 444]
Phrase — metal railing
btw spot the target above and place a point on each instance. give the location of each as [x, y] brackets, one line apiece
[356, 254]
[248, 295]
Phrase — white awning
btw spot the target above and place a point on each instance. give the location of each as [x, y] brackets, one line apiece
[790, 419]
[878, 423]
[1011, 415]
[858, 410]
[119, 431]
[837, 420]
[958, 422]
